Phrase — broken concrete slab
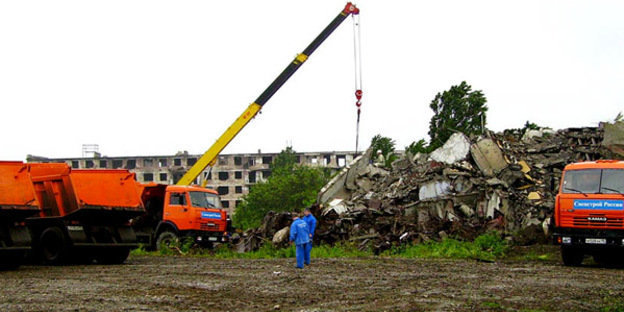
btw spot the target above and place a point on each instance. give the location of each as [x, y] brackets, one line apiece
[536, 133]
[456, 148]
[434, 189]
[342, 183]
[488, 157]
[281, 236]
[337, 206]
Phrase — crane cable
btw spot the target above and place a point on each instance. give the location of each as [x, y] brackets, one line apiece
[357, 56]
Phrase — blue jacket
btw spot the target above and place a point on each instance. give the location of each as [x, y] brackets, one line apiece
[299, 232]
[311, 221]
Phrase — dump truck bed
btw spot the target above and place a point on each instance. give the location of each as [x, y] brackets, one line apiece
[17, 195]
[97, 194]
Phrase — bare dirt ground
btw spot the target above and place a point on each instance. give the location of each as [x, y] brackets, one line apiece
[151, 283]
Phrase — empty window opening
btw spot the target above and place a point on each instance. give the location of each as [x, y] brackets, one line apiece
[224, 175]
[148, 177]
[89, 164]
[191, 161]
[117, 163]
[223, 190]
[326, 160]
[238, 189]
[163, 176]
[223, 160]
[238, 161]
[162, 162]
[131, 164]
[177, 162]
[238, 175]
[342, 160]
[103, 163]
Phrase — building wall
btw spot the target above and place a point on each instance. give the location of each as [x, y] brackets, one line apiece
[232, 176]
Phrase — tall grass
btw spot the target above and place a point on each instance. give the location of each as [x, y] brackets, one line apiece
[487, 247]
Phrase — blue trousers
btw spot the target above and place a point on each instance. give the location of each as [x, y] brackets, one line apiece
[308, 249]
[300, 252]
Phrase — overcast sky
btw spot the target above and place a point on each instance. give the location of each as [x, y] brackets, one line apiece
[157, 77]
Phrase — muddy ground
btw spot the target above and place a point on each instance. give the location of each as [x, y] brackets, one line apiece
[151, 283]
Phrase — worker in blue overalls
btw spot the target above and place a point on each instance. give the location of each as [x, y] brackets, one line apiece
[311, 221]
[300, 236]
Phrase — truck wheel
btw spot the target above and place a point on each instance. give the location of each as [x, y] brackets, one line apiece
[167, 239]
[53, 246]
[571, 256]
[114, 256]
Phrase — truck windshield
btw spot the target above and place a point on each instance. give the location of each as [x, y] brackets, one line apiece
[205, 200]
[594, 181]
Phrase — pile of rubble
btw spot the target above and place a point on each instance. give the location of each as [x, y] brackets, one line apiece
[505, 181]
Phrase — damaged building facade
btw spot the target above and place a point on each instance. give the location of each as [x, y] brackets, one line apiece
[231, 176]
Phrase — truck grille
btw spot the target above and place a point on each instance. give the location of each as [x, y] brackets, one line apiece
[599, 221]
[208, 226]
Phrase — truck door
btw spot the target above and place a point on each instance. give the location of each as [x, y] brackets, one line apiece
[178, 210]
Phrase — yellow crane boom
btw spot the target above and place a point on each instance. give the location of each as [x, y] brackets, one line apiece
[210, 156]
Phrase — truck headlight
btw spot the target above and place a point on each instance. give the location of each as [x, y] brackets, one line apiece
[622, 241]
[566, 240]
[199, 238]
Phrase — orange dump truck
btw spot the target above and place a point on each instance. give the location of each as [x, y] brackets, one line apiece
[17, 202]
[589, 212]
[176, 212]
[64, 215]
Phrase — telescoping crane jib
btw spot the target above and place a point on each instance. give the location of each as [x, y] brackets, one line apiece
[210, 156]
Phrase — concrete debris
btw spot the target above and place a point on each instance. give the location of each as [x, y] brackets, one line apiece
[614, 137]
[455, 149]
[488, 157]
[538, 133]
[500, 181]
[281, 236]
[434, 189]
[335, 206]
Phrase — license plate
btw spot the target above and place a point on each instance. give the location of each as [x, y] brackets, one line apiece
[214, 239]
[596, 241]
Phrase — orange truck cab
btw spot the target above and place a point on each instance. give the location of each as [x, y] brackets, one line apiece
[176, 212]
[589, 212]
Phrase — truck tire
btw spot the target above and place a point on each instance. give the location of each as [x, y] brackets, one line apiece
[571, 256]
[167, 238]
[53, 248]
[113, 256]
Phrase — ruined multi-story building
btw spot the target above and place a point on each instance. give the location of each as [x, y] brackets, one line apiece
[232, 175]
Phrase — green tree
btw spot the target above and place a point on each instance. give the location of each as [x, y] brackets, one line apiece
[457, 109]
[285, 160]
[386, 146]
[416, 147]
[291, 187]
